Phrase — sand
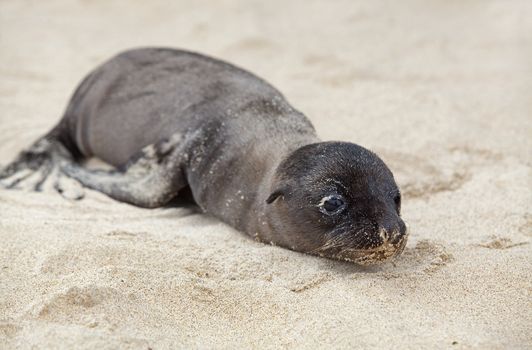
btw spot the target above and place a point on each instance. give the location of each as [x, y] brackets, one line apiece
[440, 89]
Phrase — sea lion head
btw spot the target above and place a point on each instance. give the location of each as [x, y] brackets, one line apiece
[337, 200]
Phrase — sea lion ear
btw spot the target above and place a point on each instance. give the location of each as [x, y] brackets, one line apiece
[275, 194]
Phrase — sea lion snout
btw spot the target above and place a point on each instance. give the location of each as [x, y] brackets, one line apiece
[388, 243]
[393, 230]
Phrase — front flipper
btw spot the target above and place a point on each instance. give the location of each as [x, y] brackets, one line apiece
[150, 180]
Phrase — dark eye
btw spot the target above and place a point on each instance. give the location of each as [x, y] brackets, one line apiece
[332, 204]
[397, 200]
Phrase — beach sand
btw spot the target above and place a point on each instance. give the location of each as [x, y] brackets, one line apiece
[440, 89]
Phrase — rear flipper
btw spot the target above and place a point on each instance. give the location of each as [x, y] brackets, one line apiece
[151, 179]
[38, 167]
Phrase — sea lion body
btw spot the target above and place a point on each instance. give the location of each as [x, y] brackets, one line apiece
[216, 109]
[168, 119]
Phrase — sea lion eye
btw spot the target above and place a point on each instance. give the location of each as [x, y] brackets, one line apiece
[397, 200]
[332, 204]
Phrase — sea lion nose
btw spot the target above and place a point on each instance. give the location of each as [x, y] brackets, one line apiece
[394, 229]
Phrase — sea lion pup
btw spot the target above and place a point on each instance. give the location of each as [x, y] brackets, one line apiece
[168, 119]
